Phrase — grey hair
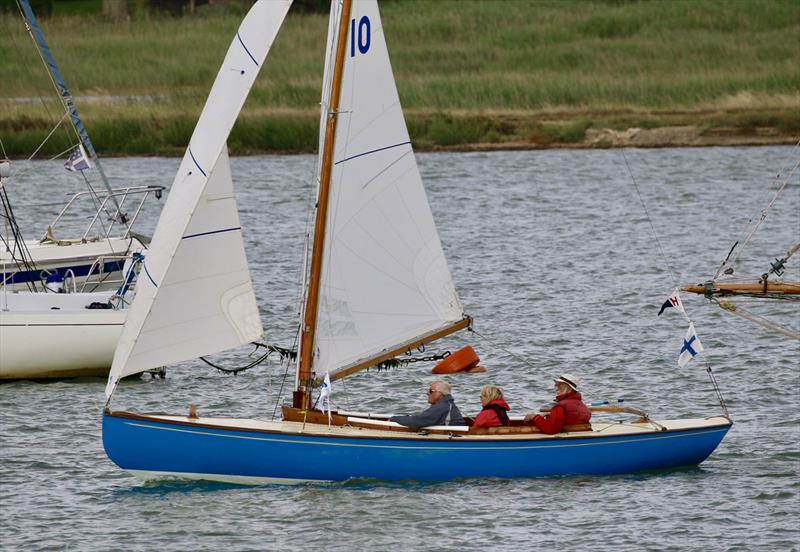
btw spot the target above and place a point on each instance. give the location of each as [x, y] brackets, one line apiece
[441, 386]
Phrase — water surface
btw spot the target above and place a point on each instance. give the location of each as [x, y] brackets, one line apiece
[554, 255]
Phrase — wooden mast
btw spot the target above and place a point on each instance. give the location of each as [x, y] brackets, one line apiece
[302, 395]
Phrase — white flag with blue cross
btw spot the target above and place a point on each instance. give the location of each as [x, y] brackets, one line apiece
[691, 347]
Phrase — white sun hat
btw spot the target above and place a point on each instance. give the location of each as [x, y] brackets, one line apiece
[568, 379]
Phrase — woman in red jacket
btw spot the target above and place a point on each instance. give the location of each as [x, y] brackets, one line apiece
[495, 408]
[568, 409]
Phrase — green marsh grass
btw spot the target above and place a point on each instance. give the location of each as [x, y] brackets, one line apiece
[467, 71]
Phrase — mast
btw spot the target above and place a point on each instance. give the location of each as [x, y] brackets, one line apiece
[302, 395]
[65, 95]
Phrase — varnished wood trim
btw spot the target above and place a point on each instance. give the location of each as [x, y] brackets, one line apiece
[363, 364]
[312, 297]
[291, 414]
[732, 288]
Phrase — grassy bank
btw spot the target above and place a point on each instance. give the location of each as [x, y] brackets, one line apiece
[498, 72]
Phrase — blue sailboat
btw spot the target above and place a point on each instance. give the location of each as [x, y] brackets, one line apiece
[377, 285]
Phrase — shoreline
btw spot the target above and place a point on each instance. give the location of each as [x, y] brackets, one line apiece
[683, 136]
[655, 138]
[664, 137]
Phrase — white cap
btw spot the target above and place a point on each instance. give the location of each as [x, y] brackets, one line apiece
[568, 379]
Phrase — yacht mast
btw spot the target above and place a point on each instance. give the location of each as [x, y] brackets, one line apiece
[66, 98]
[302, 395]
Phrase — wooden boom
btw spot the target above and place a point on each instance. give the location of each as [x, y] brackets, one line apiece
[762, 287]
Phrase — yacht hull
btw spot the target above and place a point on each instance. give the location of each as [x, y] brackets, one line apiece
[51, 335]
[100, 261]
[252, 451]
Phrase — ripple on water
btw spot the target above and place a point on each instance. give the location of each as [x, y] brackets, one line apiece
[552, 254]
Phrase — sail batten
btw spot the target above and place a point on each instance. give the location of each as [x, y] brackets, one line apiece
[373, 151]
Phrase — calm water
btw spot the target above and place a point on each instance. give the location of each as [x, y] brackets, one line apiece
[554, 256]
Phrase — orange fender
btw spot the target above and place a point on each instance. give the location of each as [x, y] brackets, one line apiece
[463, 360]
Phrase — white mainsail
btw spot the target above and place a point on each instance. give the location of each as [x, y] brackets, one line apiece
[194, 294]
[384, 279]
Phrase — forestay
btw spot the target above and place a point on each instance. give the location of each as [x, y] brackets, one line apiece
[64, 93]
[194, 294]
[385, 279]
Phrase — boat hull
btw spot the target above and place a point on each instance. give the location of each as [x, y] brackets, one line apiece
[53, 335]
[79, 260]
[247, 451]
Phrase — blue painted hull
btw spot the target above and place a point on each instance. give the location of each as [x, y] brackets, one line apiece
[142, 444]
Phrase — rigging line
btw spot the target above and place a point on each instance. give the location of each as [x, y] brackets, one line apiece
[285, 372]
[762, 217]
[59, 154]
[672, 273]
[717, 390]
[49, 75]
[19, 241]
[769, 298]
[235, 371]
[44, 104]
[513, 355]
[650, 220]
[779, 265]
[756, 319]
[58, 124]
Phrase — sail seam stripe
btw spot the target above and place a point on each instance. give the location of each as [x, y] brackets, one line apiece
[373, 151]
[148, 274]
[245, 48]
[197, 164]
[211, 232]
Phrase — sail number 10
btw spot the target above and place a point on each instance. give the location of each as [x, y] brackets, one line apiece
[364, 36]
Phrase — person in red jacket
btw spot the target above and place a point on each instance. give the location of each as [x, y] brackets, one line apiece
[495, 408]
[568, 409]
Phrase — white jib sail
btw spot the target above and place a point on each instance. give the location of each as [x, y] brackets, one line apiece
[194, 294]
[385, 279]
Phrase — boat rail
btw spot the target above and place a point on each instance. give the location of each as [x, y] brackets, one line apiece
[98, 275]
[116, 214]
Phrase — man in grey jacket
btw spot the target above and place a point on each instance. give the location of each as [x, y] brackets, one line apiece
[443, 409]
